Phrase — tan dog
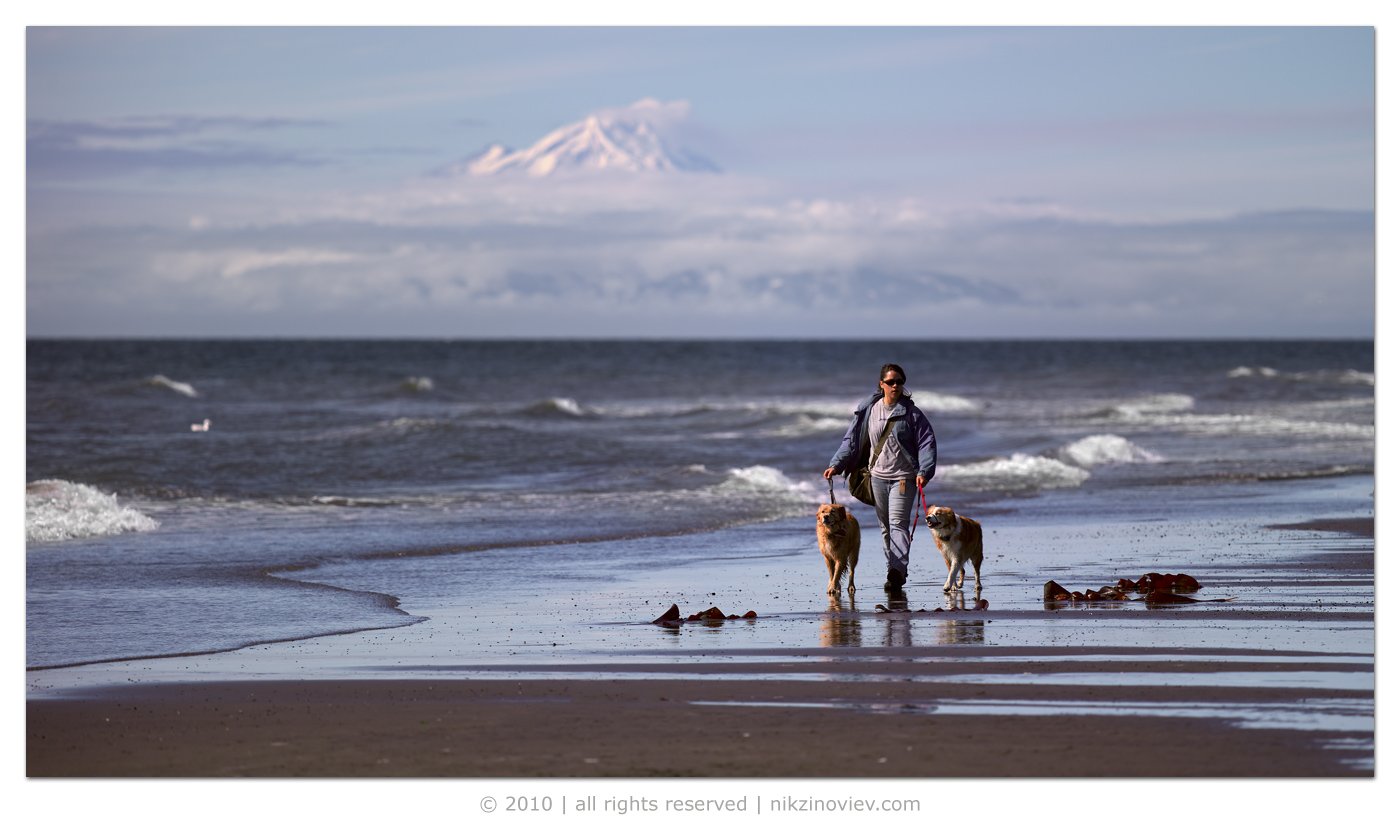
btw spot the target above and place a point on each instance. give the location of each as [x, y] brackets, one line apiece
[959, 539]
[838, 537]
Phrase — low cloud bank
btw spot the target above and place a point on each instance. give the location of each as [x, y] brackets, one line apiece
[698, 256]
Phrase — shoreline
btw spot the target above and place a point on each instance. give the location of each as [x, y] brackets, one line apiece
[1278, 684]
[1354, 526]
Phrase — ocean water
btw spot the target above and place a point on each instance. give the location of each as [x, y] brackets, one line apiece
[177, 489]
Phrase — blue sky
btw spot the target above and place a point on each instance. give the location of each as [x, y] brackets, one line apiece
[900, 182]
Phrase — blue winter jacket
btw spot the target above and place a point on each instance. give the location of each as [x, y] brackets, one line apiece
[912, 433]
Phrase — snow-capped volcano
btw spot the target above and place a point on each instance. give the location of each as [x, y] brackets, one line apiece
[633, 139]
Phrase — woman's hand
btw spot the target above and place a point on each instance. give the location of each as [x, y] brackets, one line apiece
[920, 481]
[830, 470]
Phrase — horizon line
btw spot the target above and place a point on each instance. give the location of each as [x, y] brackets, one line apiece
[714, 338]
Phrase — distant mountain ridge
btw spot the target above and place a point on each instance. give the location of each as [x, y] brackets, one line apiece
[632, 139]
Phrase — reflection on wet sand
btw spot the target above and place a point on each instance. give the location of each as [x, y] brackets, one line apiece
[957, 599]
[841, 624]
[899, 631]
[960, 632]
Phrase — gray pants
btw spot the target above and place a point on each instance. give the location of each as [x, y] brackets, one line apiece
[895, 510]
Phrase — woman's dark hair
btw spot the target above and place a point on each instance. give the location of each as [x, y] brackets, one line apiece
[887, 368]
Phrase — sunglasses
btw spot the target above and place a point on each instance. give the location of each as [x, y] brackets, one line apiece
[898, 381]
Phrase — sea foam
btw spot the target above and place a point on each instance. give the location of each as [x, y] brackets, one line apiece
[759, 477]
[1348, 377]
[55, 510]
[765, 481]
[1096, 450]
[1018, 473]
[946, 403]
[1153, 404]
[1267, 426]
[804, 425]
[1252, 371]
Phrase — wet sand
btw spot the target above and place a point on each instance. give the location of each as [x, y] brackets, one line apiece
[653, 728]
[1278, 682]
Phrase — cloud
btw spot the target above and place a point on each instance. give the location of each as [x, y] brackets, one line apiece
[709, 255]
[67, 149]
[232, 264]
[651, 110]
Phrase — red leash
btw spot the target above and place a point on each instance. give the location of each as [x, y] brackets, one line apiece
[927, 521]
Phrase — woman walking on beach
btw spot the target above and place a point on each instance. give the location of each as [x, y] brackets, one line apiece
[906, 460]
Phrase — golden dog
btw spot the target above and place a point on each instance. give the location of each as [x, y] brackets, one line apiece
[838, 536]
[959, 539]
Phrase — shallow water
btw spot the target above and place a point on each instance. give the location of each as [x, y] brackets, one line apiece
[1334, 715]
[1301, 624]
[585, 607]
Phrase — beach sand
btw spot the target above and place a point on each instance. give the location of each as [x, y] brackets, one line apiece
[1278, 682]
[655, 727]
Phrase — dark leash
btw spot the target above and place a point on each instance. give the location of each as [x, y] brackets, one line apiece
[831, 490]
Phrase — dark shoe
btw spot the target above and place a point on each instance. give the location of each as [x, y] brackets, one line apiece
[894, 580]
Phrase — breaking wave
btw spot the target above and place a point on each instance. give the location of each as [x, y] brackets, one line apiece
[162, 381]
[1096, 450]
[764, 480]
[828, 410]
[805, 424]
[1262, 426]
[777, 408]
[1066, 468]
[1018, 473]
[55, 510]
[946, 403]
[1252, 371]
[1151, 404]
[347, 501]
[560, 407]
[1348, 377]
